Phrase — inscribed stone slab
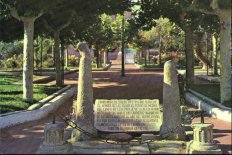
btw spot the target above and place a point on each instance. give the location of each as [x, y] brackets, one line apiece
[127, 115]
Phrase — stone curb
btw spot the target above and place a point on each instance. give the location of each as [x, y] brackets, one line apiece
[27, 116]
[215, 112]
[208, 100]
[47, 99]
[107, 67]
[208, 78]
[12, 73]
[140, 67]
[148, 69]
[50, 78]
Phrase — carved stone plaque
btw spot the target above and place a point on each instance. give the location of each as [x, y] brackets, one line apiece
[133, 115]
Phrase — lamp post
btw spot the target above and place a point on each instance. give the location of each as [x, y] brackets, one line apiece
[127, 15]
[122, 49]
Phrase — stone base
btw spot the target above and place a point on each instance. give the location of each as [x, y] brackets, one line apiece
[79, 136]
[192, 149]
[167, 147]
[139, 149]
[59, 149]
[146, 137]
[218, 151]
[178, 135]
[96, 147]
[120, 137]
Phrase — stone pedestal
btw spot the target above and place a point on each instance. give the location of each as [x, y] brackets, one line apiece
[202, 142]
[54, 142]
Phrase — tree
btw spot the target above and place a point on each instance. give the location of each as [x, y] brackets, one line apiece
[221, 8]
[56, 25]
[28, 11]
[199, 51]
[176, 11]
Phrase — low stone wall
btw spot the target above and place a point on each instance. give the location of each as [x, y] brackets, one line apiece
[107, 67]
[208, 78]
[47, 99]
[148, 69]
[208, 100]
[27, 116]
[50, 78]
[214, 111]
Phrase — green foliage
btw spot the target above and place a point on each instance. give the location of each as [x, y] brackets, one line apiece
[11, 94]
[7, 50]
[73, 61]
[169, 33]
[10, 54]
[49, 61]
[181, 62]
[16, 61]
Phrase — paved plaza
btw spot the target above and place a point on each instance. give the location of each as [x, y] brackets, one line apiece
[137, 84]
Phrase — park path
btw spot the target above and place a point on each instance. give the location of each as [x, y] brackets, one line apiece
[109, 84]
[26, 138]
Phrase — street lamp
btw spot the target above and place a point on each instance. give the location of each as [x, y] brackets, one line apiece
[126, 15]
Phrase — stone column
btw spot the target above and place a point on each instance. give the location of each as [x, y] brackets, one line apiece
[171, 104]
[202, 140]
[54, 142]
[84, 105]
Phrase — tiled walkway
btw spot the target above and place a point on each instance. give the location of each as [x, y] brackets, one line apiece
[109, 84]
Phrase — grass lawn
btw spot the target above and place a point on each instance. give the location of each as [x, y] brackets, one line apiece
[210, 90]
[11, 94]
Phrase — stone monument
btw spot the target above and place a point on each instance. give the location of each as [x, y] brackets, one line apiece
[54, 142]
[171, 104]
[135, 115]
[202, 142]
[84, 106]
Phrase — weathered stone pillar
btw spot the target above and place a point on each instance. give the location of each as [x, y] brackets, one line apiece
[171, 104]
[54, 142]
[202, 142]
[84, 105]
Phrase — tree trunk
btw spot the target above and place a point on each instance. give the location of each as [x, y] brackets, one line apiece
[28, 59]
[189, 57]
[100, 58]
[225, 56]
[145, 58]
[53, 54]
[105, 58]
[57, 58]
[147, 55]
[66, 57]
[97, 57]
[198, 51]
[36, 57]
[62, 43]
[160, 50]
[215, 53]
[139, 56]
[41, 55]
